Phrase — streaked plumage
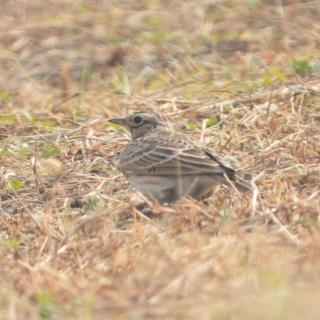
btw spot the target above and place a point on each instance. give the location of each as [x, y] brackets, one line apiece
[166, 166]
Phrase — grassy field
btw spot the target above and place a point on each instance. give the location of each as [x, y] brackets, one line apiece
[241, 76]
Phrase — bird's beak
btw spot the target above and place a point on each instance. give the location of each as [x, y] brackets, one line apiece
[120, 121]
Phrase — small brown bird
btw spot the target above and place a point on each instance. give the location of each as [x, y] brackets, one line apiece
[166, 166]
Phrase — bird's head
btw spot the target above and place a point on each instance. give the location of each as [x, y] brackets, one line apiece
[139, 123]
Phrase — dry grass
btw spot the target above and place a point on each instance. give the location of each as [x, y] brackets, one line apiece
[73, 245]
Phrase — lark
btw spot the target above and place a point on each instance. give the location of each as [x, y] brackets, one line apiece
[166, 166]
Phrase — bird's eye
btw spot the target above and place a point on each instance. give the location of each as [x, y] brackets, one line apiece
[137, 119]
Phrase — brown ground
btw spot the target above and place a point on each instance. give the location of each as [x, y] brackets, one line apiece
[72, 244]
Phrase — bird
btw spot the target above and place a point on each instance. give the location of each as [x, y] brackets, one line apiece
[166, 166]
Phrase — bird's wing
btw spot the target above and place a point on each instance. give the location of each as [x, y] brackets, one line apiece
[169, 155]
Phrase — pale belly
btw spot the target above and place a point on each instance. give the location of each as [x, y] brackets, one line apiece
[170, 188]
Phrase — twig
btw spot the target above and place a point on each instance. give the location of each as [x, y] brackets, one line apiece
[77, 94]
[282, 228]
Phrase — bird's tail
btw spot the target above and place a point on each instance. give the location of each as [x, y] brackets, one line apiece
[247, 184]
[243, 184]
[240, 182]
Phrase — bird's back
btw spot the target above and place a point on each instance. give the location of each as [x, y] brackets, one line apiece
[167, 166]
